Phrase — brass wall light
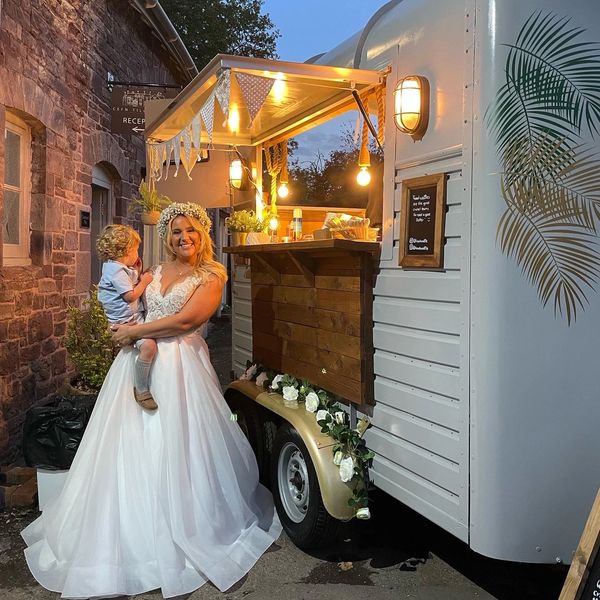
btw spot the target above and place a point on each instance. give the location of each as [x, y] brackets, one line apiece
[411, 105]
[238, 174]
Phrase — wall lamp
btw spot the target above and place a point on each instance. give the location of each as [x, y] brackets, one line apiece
[238, 174]
[411, 105]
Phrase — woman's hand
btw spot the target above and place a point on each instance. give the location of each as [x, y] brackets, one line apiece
[123, 335]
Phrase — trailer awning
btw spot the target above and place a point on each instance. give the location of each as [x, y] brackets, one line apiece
[299, 96]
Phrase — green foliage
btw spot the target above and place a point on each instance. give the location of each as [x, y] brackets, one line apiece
[148, 199]
[213, 27]
[88, 341]
[550, 179]
[245, 221]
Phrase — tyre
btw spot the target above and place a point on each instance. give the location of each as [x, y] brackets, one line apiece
[297, 494]
[249, 418]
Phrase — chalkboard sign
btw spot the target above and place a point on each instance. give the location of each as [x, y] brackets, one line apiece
[583, 579]
[422, 222]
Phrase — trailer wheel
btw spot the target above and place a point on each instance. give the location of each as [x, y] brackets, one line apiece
[249, 419]
[296, 492]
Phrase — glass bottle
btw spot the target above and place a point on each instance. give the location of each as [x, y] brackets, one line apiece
[297, 224]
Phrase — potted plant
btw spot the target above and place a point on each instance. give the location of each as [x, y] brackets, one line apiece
[52, 432]
[150, 202]
[89, 344]
[240, 223]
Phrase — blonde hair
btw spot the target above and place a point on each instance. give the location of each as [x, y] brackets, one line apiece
[205, 263]
[116, 241]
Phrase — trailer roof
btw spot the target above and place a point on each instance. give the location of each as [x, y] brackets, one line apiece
[309, 95]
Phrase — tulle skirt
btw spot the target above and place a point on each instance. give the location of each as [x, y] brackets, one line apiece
[167, 499]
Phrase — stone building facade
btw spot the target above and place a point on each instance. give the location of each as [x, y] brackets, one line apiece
[59, 161]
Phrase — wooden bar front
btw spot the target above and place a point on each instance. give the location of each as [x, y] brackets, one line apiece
[312, 312]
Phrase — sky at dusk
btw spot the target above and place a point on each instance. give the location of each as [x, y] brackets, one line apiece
[310, 27]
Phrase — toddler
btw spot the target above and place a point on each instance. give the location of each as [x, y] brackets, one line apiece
[120, 289]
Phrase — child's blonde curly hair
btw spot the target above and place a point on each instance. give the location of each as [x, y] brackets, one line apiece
[116, 241]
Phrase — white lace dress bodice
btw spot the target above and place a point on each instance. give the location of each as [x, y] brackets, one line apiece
[159, 306]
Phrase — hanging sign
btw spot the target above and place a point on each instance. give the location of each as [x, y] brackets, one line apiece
[422, 222]
[128, 106]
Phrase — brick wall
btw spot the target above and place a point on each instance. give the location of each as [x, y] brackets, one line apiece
[54, 59]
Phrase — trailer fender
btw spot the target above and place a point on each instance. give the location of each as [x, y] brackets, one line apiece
[334, 492]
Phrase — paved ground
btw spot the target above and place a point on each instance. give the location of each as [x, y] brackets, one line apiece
[397, 555]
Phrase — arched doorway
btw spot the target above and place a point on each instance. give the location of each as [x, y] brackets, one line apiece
[102, 213]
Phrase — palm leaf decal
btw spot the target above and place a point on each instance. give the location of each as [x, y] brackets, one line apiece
[550, 180]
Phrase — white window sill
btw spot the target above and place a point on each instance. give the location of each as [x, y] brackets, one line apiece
[11, 261]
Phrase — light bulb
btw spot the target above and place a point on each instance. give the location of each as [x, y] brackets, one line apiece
[364, 177]
[233, 121]
[279, 88]
[273, 224]
[283, 190]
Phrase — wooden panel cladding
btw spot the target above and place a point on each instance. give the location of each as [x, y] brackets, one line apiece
[312, 312]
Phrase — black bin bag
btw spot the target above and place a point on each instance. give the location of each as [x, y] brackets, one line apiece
[51, 433]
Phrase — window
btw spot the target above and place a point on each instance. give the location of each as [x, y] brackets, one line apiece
[16, 191]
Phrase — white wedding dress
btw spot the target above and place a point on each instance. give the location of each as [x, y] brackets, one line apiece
[167, 499]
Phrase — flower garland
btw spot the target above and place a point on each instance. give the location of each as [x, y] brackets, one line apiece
[350, 453]
[188, 209]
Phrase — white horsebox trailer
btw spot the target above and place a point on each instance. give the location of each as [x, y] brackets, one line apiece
[485, 371]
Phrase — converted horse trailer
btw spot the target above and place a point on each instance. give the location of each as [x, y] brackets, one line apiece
[481, 374]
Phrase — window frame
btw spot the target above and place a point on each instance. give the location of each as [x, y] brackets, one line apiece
[19, 254]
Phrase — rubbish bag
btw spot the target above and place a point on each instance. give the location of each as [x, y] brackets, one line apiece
[52, 432]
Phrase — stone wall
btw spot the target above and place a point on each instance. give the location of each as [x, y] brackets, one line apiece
[54, 60]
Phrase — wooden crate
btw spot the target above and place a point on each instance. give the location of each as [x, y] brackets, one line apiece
[312, 312]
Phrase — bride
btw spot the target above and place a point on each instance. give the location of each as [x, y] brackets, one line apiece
[168, 499]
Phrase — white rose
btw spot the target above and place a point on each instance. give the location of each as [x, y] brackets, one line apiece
[340, 417]
[363, 513]
[312, 402]
[363, 425]
[275, 382]
[260, 380]
[290, 393]
[346, 469]
[337, 457]
[321, 415]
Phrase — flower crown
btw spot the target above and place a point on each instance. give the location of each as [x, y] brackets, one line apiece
[188, 209]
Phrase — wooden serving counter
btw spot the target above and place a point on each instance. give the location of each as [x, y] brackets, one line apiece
[312, 312]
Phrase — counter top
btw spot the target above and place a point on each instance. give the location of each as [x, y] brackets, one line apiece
[310, 246]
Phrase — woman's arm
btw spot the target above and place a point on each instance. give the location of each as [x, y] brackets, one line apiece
[198, 309]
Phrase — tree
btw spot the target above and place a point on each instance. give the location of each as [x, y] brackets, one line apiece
[331, 180]
[210, 27]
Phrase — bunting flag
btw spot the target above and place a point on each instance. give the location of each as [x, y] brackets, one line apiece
[167, 158]
[222, 92]
[156, 153]
[187, 142]
[255, 90]
[189, 163]
[208, 114]
[176, 153]
[196, 131]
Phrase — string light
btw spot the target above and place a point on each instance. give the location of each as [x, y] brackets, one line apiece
[363, 177]
[283, 190]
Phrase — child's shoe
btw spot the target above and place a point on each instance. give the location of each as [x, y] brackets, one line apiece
[145, 400]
